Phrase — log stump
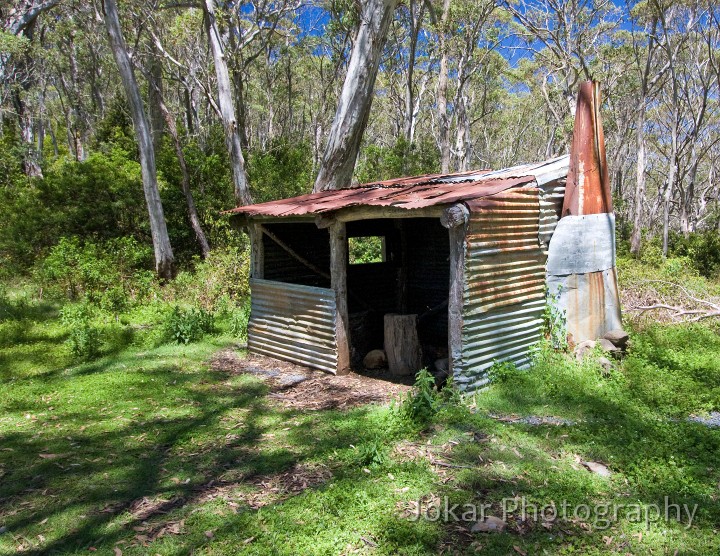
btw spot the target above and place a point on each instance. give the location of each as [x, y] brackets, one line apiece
[402, 344]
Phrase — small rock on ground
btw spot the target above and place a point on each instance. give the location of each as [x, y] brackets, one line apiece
[607, 345]
[618, 337]
[583, 348]
[597, 468]
[490, 524]
[605, 363]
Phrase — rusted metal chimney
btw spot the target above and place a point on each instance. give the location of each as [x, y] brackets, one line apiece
[588, 186]
[581, 274]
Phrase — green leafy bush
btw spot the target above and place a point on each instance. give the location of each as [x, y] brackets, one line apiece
[502, 372]
[188, 325]
[217, 283]
[555, 321]
[110, 274]
[422, 403]
[282, 170]
[84, 338]
[239, 322]
[373, 453]
[401, 159]
[365, 249]
[702, 249]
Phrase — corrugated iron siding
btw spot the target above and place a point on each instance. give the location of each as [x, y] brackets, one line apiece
[504, 294]
[294, 323]
[551, 200]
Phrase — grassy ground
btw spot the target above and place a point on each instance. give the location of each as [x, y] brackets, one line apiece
[146, 450]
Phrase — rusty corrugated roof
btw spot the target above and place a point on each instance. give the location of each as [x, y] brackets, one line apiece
[408, 193]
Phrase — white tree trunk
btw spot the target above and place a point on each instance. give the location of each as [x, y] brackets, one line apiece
[636, 238]
[164, 260]
[443, 120]
[356, 98]
[227, 106]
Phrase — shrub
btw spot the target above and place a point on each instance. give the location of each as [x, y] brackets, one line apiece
[502, 372]
[422, 403]
[555, 321]
[401, 159]
[702, 249]
[84, 339]
[188, 325]
[216, 283]
[239, 322]
[373, 453]
[110, 274]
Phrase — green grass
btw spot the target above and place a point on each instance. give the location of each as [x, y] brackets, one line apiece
[104, 454]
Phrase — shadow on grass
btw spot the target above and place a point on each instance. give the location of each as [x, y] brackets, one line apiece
[103, 462]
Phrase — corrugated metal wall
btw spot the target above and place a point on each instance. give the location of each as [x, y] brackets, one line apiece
[504, 294]
[293, 322]
[551, 200]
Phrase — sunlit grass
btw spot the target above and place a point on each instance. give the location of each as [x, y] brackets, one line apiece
[147, 450]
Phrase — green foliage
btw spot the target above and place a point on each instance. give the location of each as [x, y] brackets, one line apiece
[239, 319]
[503, 372]
[282, 170]
[111, 274]
[555, 320]
[99, 199]
[401, 159]
[702, 249]
[217, 283]
[366, 249]
[188, 325]
[84, 338]
[422, 403]
[373, 453]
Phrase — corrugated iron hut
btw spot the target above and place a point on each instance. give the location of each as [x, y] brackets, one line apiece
[468, 255]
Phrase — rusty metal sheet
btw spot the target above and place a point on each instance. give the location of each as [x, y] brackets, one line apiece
[588, 185]
[409, 197]
[590, 303]
[412, 193]
[509, 334]
[504, 295]
[552, 194]
[582, 244]
[294, 323]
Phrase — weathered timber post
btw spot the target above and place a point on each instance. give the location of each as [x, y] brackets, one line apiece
[402, 344]
[455, 219]
[338, 283]
[257, 251]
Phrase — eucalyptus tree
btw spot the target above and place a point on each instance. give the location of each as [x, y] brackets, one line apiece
[351, 116]
[19, 69]
[164, 259]
[563, 37]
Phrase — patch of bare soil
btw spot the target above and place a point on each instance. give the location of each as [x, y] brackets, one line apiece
[277, 487]
[267, 489]
[301, 388]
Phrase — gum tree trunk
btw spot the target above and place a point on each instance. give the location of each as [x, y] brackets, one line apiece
[443, 120]
[233, 141]
[164, 260]
[353, 109]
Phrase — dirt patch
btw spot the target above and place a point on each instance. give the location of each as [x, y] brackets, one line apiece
[297, 387]
[274, 488]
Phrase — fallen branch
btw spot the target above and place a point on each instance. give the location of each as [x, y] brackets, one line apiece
[678, 312]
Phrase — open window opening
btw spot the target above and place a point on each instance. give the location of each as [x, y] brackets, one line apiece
[367, 250]
[296, 253]
[401, 266]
